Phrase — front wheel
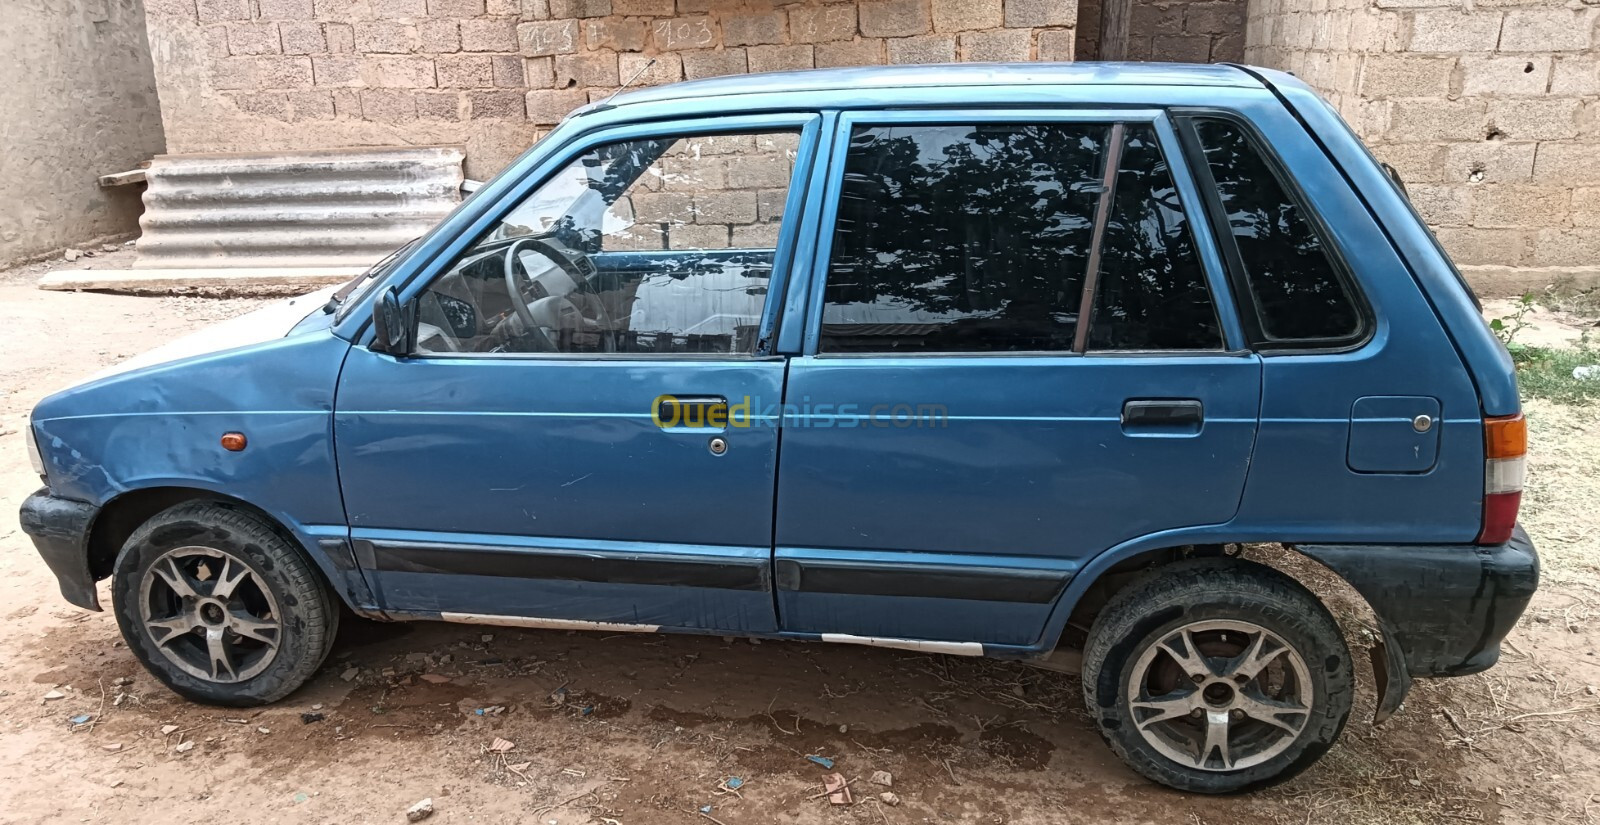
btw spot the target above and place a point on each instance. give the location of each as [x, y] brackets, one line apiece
[1217, 676]
[220, 606]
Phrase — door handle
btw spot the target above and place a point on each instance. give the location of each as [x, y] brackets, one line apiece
[690, 411]
[1163, 415]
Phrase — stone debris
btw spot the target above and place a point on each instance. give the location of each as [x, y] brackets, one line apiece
[420, 811]
[883, 778]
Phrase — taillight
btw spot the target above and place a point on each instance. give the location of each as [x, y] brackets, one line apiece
[1505, 450]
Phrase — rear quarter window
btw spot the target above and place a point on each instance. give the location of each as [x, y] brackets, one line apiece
[1294, 290]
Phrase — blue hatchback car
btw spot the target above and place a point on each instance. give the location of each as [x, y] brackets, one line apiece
[974, 360]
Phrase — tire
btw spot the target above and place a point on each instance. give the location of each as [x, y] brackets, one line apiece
[1163, 721]
[197, 591]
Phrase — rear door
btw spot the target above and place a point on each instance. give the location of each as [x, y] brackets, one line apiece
[1013, 361]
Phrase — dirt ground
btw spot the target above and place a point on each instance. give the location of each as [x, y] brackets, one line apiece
[647, 730]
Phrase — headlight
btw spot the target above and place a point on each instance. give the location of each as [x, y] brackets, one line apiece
[34, 457]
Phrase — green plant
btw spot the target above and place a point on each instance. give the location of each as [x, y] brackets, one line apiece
[1544, 372]
[1507, 332]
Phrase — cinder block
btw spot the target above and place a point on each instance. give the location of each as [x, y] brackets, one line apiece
[286, 9]
[439, 36]
[233, 74]
[1471, 246]
[534, 9]
[283, 72]
[1023, 14]
[491, 34]
[617, 35]
[464, 71]
[680, 33]
[456, 8]
[596, 68]
[895, 18]
[183, 9]
[1548, 30]
[1406, 75]
[388, 105]
[644, 8]
[822, 24]
[668, 68]
[1441, 204]
[1567, 164]
[1430, 120]
[998, 46]
[336, 71]
[1214, 18]
[928, 48]
[1489, 161]
[386, 71]
[439, 106]
[967, 15]
[770, 204]
[496, 105]
[1586, 206]
[386, 37]
[714, 63]
[1149, 20]
[253, 39]
[508, 71]
[1566, 247]
[1181, 48]
[691, 236]
[780, 58]
[1059, 46]
[1455, 31]
[221, 11]
[752, 29]
[863, 52]
[726, 207]
[1542, 119]
[758, 172]
[539, 72]
[341, 40]
[663, 207]
[1482, 75]
[756, 236]
[390, 10]
[274, 105]
[1576, 76]
[303, 38]
[1519, 205]
[312, 105]
[548, 37]
[563, 9]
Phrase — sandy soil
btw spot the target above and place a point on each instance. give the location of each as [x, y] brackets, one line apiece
[647, 730]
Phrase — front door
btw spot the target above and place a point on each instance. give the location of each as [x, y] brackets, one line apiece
[1014, 361]
[518, 466]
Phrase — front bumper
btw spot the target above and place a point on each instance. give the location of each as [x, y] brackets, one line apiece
[1444, 609]
[59, 528]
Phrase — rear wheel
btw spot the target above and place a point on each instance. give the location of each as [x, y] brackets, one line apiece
[1217, 675]
[219, 606]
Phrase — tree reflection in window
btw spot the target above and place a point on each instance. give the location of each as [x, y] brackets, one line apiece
[976, 238]
[1297, 293]
[965, 238]
[1152, 291]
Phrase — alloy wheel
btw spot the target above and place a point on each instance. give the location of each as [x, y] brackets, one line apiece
[210, 614]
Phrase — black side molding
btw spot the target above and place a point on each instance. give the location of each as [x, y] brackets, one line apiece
[861, 578]
[673, 569]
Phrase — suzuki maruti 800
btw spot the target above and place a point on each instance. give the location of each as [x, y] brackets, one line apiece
[974, 360]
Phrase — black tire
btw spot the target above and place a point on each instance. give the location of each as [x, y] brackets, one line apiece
[1210, 592]
[306, 613]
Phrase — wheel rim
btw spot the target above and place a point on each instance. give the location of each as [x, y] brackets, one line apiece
[210, 614]
[1220, 695]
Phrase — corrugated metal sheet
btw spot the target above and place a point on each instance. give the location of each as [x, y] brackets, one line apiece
[334, 208]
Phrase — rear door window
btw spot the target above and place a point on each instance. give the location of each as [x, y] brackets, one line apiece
[968, 238]
[1296, 293]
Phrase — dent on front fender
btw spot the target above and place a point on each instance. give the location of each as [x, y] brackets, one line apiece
[162, 427]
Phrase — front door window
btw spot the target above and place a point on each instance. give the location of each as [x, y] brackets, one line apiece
[657, 246]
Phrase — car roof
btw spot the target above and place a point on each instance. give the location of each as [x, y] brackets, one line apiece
[886, 81]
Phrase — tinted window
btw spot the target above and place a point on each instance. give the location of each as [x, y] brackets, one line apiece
[658, 246]
[964, 238]
[1151, 292]
[1296, 291]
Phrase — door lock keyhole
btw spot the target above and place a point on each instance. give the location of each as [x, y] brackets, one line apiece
[718, 445]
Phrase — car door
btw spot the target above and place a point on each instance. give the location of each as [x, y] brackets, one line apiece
[1014, 360]
[516, 466]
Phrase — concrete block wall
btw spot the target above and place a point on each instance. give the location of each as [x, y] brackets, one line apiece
[79, 101]
[266, 75]
[1490, 111]
[1171, 31]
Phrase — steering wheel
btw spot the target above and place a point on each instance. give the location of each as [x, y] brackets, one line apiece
[549, 312]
